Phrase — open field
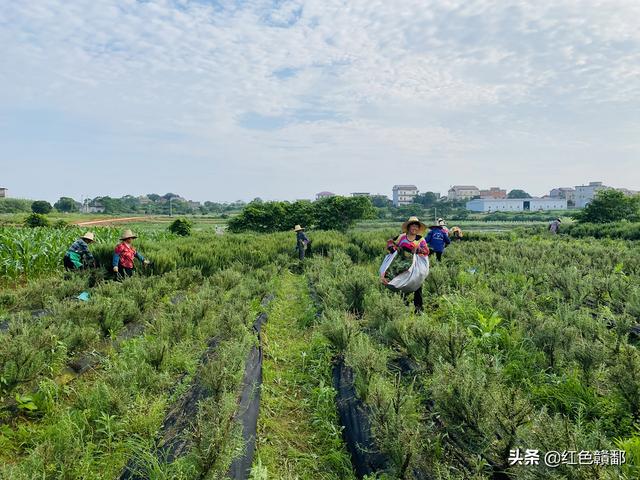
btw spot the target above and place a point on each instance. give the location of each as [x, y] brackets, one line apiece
[151, 225]
[225, 344]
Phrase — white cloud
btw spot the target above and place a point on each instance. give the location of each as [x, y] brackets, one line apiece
[196, 68]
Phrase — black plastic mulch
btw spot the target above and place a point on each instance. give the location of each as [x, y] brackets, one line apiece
[174, 434]
[250, 404]
[354, 417]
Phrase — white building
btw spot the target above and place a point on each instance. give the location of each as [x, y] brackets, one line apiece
[516, 204]
[325, 194]
[91, 207]
[404, 194]
[585, 193]
[463, 192]
[3, 192]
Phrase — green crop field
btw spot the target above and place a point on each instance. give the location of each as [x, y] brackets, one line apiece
[226, 358]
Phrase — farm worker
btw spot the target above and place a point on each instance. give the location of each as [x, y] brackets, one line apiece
[410, 241]
[301, 241]
[437, 239]
[554, 227]
[443, 224]
[456, 233]
[124, 254]
[78, 256]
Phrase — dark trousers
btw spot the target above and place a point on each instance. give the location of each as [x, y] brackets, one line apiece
[417, 299]
[123, 272]
[68, 264]
[438, 255]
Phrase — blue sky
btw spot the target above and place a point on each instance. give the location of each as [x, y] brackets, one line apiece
[225, 100]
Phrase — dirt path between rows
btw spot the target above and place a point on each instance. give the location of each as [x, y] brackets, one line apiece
[298, 432]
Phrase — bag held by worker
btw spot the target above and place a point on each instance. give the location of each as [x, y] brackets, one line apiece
[411, 279]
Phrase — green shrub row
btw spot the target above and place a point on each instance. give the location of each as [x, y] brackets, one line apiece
[525, 344]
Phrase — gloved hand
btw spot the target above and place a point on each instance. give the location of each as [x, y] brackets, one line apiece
[146, 262]
[115, 269]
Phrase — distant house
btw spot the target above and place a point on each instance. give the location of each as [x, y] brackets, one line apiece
[516, 204]
[585, 193]
[563, 192]
[627, 192]
[321, 195]
[360, 194]
[92, 207]
[404, 194]
[3, 192]
[463, 192]
[569, 194]
[493, 192]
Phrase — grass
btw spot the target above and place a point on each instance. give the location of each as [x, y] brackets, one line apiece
[89, 426]
[298, 433]
[524, 342]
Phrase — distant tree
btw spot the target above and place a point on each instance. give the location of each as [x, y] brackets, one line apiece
[66, 204]
[426, 199]
[154, 197]
[298, 213]
[111, 205]
[260, 217]
[611, 206]
[380, 201]
[36, 220]
[340, 213]
[15, 205]
[334, 213]
[41, 206]
[517, 193]
[408, 211]
[181, 226]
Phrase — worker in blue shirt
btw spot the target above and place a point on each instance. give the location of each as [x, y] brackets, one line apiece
[78, 255]
[438, 239]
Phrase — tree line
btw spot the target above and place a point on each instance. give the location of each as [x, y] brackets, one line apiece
[152, 204]
[333, 213]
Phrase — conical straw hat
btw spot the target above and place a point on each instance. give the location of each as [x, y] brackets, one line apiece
[127, 234]
[405, 225]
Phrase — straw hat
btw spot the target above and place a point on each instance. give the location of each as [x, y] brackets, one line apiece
[297, 228]
[88, 236]
[405, 225]
[127, 234]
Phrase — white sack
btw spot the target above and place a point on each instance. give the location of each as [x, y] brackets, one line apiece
[410, 280]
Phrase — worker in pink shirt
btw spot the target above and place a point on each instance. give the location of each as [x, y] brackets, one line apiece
[124, 255]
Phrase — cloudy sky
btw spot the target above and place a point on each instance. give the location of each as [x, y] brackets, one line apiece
[225, 100]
